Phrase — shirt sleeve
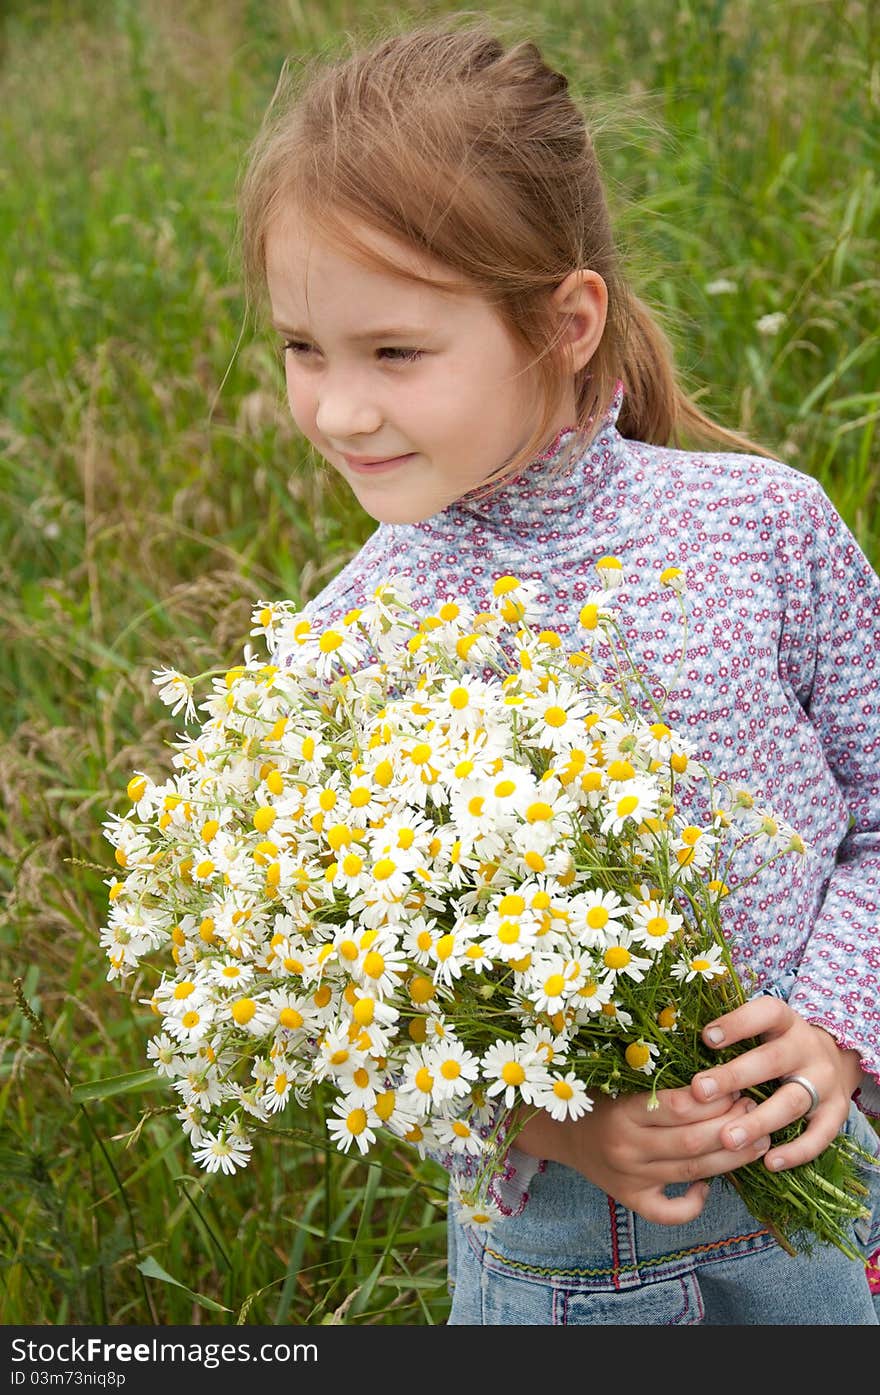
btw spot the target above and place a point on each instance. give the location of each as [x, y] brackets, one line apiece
[837, 986]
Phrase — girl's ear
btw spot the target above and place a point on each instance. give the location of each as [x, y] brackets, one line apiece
[582, 302]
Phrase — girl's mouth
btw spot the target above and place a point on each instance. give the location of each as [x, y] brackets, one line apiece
[371, 465]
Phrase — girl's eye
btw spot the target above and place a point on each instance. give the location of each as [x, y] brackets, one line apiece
[406, 355]
[300, 349]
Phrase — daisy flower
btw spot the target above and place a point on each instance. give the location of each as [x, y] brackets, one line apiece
[390, 1111]
[591, 998]
[362, 1082]
[278, 1087]
[510, 937]
[419, 939]
[388, 878]
[694, 849]
[420, 1087]
[555, 718]
[615, 1013]
[564, 1097]
[192, 1026]
[350, 1124]
[654, 924]
[548, 1046]
[551, 981]
[454, 1068]
[630, 802]
[513, 599]
[380, 967]
[217, 1152]
[642, 1056]
[478, 1215]
[200, 1085]
[515, 1072]
[161, 1050]
[230, 972]
[449, 953]
[617, 959]
[706, 963]
[594, 609]
[335, 651]
[596, 914]
[458, 1137]
[176, 691]
[250, 1015]
[337, 1056]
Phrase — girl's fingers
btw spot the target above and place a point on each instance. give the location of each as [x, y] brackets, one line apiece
[753, 1067]
[759, 1015]
[661, 1209]
[694, 1140]
[717, 1162]
[783, 1107]
[681, 1106]
[807, 1146]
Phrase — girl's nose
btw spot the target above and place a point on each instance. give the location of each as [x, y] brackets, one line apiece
[344, 414]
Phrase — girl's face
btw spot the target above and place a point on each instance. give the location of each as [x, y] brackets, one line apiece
[427, 384]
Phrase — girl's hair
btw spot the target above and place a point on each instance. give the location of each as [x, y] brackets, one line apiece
[479, 157]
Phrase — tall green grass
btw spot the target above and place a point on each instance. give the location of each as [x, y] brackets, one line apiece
[153, 488]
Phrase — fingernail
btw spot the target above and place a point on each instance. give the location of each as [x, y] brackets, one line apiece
[763, 1143]
[714, 1035]
[776, 1163]
[738, 1137]
[752, 1104]
[708, 1088]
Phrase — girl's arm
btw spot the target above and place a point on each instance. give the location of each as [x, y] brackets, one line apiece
[836, 986]
[829, 1030]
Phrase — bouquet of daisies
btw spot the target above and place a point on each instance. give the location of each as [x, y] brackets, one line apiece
[446, 870]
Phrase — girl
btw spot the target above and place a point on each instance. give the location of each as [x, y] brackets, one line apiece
[428, 221]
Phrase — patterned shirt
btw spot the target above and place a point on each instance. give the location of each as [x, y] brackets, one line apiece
[780, 688]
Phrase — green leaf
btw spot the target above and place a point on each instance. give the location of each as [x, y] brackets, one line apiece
[153, 1270]
[117, 1085]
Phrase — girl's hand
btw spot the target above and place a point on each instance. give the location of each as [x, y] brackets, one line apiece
[632, 1152]
[790, 1046]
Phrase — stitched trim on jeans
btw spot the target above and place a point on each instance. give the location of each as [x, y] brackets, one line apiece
[653, 1263]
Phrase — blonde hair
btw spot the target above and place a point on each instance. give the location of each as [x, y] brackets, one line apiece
[479, 157]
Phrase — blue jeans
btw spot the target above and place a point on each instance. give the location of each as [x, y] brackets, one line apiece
[576, 1256]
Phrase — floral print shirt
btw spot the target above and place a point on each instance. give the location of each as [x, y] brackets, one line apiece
[779, 691]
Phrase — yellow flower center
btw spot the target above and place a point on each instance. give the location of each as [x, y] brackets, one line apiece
[512, 1073]
[616, 957]
[243, 1010]
[374, 964]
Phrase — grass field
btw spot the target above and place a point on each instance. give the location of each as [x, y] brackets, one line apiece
[153, 489]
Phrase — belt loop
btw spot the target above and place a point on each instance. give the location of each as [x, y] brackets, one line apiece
[623, 1246]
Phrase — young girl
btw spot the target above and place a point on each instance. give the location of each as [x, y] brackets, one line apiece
[428, 221]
